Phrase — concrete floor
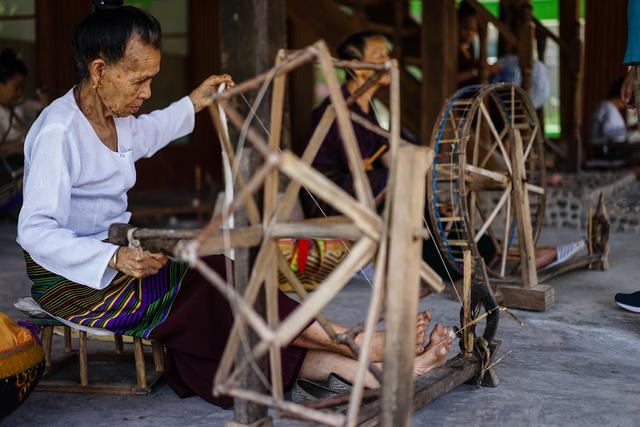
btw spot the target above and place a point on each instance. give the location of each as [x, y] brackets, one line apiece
[576, 364]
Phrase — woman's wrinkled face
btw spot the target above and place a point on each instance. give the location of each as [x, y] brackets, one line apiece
[125, 85]
[376, 50]
[11, 91]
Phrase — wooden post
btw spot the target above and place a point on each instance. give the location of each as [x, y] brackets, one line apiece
[251, 33]
[531, 295]
[523, 214]
[141, 371]
[82, 359]
[67, 340]
[47, 338]
[525, 34]
[466, 303]
[439, 61]
[403, 285]
[484, 52]
[571, 82]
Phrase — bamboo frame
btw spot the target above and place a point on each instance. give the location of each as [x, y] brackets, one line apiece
[387, 238]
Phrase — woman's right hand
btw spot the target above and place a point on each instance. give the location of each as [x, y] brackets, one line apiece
[628, 88]
[139, 263]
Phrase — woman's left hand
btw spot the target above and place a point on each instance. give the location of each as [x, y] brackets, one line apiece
[202, 96]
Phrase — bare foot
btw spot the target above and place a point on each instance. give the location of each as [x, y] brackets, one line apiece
[377, 344]
[435, 354]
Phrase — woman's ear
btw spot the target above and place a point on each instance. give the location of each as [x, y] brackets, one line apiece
[96, 71]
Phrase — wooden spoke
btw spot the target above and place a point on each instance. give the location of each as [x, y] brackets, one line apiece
[483, 217]
[532, 140]
[534, 188]
[495, 176]
[492, 128]
[506, 238]
[360, 180]
[505, 195]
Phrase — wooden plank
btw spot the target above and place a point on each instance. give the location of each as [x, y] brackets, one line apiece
[431, 386]
[536, 298]
[402, 299]
[523, 215]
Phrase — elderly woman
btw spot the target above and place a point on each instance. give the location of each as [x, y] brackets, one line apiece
[79, 164]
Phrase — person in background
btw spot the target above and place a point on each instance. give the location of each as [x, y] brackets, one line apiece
[609, 133]
[16, 116]
[509, 72]
[468, 63]
[630, 94]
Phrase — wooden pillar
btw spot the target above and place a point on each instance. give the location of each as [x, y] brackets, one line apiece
[605, 33]
[251, 32]
[403, 285]
[399, 12]
[55, 22]
[483, 33]
[571, 81]
[525, 35]
[204, 60]
[439, 61]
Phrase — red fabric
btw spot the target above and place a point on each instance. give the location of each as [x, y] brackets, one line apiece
[302, 247]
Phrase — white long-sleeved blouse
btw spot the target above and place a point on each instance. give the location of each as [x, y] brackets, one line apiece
[75, 187]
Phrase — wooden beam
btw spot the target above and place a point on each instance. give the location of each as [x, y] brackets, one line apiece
[439, 66]
[251, 31]
[523, 214]
[403, 285]
[571, 82]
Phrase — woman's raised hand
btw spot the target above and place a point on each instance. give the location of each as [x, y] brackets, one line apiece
[138, 263]
[203, 94]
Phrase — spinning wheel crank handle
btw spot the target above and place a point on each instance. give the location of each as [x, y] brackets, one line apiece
[481, 295]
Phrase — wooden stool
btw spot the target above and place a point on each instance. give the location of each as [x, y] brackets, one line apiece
[143, 383]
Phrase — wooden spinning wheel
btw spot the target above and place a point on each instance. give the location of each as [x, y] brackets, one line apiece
[391, 239]
[487, 187]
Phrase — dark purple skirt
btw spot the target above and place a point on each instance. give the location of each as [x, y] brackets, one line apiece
[195, 334]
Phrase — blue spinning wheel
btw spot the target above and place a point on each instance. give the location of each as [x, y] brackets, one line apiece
[482, 134]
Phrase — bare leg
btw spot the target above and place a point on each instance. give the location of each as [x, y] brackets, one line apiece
[319, 364]
[315, 338]
[545, 256]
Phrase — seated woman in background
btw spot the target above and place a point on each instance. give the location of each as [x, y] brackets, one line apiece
[16, 116]
[331, 159]
[609, 136]
[80, 159]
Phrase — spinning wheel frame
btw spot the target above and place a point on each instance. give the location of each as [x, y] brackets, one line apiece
[388, 238]
[468, 124]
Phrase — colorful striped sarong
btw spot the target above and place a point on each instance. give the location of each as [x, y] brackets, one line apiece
[128, 306]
